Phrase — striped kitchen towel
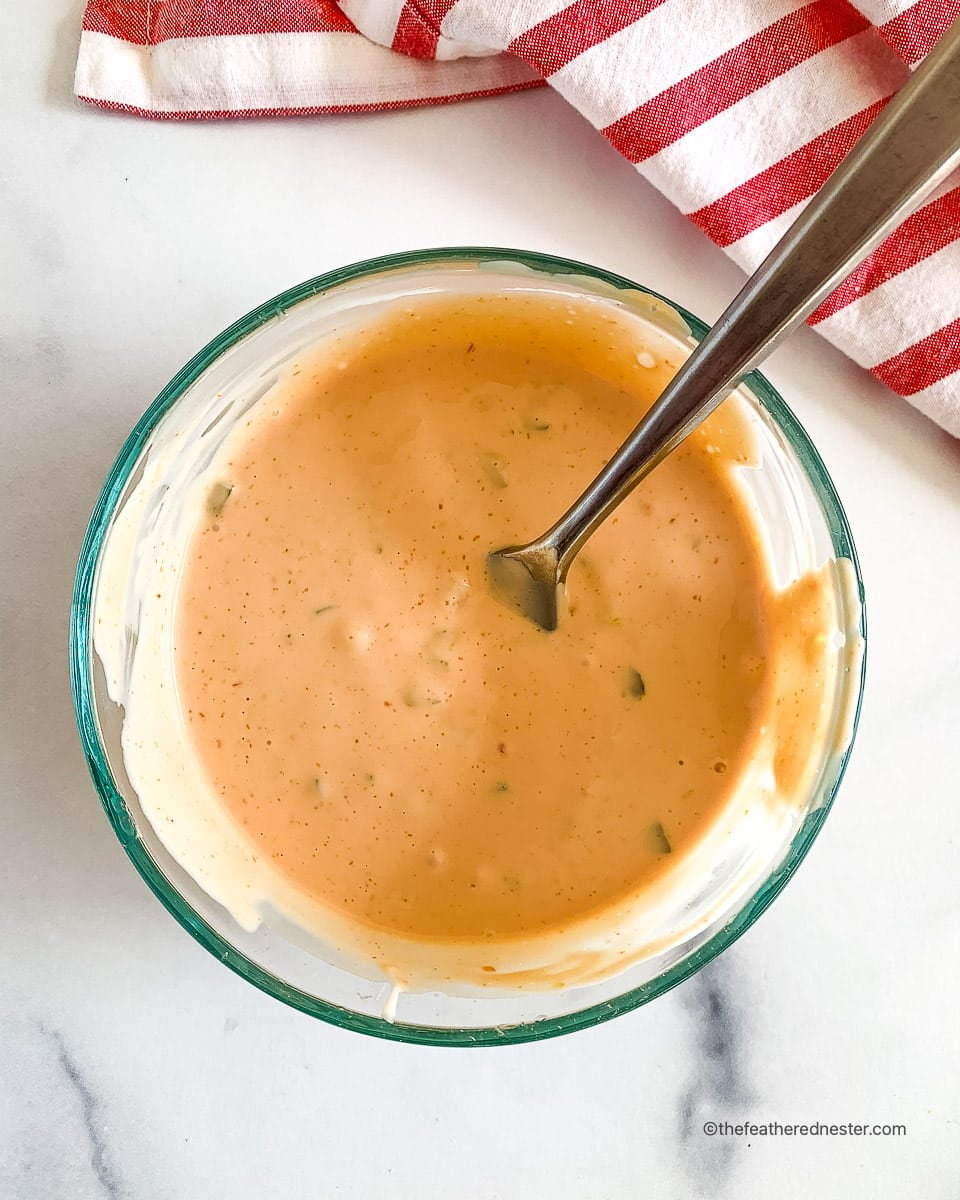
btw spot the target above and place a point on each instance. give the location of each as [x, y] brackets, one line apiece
[737, 110]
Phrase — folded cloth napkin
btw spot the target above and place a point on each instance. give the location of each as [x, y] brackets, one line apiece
[737, 112]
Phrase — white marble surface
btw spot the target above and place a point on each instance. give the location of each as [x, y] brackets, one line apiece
[131, 1063]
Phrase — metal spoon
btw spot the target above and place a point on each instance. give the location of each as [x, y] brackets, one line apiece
[905, 154]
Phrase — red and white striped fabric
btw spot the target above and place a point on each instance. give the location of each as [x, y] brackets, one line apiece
[735, 111]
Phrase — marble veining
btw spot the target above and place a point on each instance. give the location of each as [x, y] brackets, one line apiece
[719, 1087]
[101, 1157]
[55, 1140]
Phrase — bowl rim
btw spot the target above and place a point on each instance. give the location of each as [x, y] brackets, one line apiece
[81, 667]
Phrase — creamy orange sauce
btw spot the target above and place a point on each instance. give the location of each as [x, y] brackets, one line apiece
[409, 754]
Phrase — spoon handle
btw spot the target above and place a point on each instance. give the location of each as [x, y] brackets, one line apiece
[907, 152]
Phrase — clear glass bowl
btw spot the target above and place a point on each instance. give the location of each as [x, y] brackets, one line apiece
[805, 526]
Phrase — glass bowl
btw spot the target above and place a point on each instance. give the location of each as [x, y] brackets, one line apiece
[804, 525]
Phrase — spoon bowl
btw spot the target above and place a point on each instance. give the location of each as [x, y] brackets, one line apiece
[527, 579]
